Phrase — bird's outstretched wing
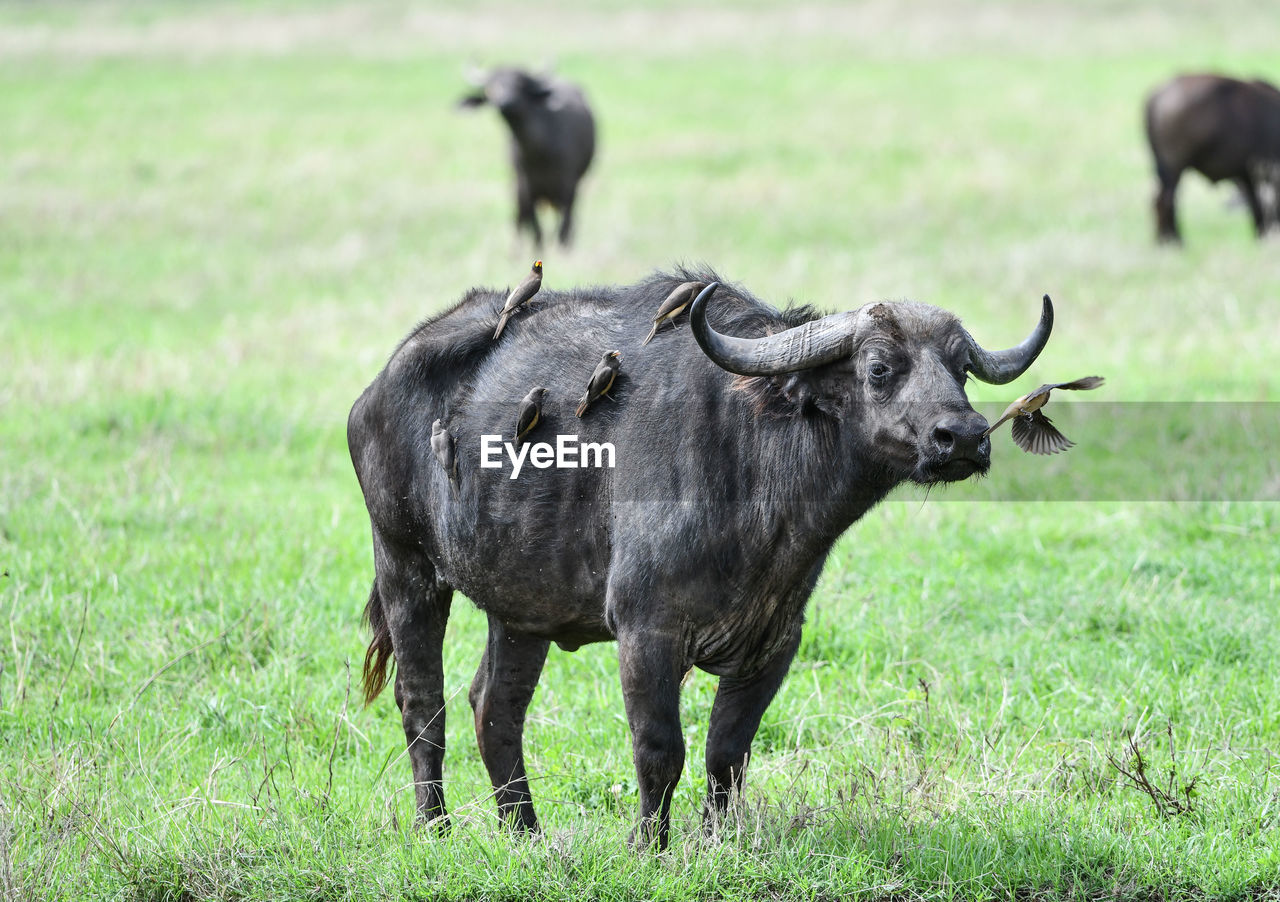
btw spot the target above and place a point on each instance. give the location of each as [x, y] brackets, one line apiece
[1037, 435]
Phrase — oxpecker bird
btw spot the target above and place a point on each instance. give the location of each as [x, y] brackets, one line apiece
[530, 413]
[520, 296]
[601, 380]
[676, 303]
[1032, 430]
[442, 445]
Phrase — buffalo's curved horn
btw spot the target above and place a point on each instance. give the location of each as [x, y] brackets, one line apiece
[800, 348]
[999, 367]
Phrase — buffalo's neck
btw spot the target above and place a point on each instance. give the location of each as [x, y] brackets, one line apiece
[827, 483]
[805, 489]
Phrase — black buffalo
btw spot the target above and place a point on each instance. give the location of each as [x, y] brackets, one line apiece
[739, 462]
[553, 138]
[1221, 127]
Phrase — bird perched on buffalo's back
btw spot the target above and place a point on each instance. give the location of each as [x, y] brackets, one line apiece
[530, 413]
[601, 380]
[1032, 430]
[442, 445]
[520, 296]
[676, 303]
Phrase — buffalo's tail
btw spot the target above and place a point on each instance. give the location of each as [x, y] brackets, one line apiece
[377, 658]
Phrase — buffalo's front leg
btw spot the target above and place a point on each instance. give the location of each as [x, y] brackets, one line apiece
[500, 697]
[652, 665]
[1249, 189]
[526, 211]
[415, 603]
[735, 717]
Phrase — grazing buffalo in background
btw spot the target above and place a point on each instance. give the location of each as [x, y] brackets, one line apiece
[553, 138]
[745, 445]
[1221, 127]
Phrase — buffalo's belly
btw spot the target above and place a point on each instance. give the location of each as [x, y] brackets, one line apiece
[1225, 161]
[551, 621]
[1208, 142]
[533, 582]
[548, 597]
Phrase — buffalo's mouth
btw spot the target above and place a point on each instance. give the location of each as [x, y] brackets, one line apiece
[953, 468]
[951, 471]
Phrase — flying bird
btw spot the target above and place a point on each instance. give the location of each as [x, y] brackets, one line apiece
[520, 296]
[1032, 430]
[601, 380]
[530, 413]
[675, 304]
[442, 445]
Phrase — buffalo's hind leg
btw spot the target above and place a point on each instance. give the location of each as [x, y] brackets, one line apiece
[735, 716]
[566, 217]
[1166, 199]
[415, 606]
[527, 212]
[500, 697]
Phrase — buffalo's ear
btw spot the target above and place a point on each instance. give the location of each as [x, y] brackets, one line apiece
[801, 391]
[475, 99]
[832, 407]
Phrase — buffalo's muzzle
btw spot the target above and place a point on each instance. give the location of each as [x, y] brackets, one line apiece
[958, 447]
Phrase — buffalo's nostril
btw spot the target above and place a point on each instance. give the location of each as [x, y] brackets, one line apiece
[944, 439]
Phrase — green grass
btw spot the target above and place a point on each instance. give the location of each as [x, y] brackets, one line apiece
[216, 221]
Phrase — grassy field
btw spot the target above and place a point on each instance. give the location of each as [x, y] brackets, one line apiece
[216, 221]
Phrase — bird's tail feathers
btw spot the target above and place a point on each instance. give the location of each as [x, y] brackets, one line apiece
[1085, 384]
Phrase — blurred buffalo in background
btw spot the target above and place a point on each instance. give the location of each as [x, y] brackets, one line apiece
[553, 138]
[1223, 128]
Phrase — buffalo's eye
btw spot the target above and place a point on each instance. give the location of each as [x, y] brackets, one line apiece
[879, 372]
